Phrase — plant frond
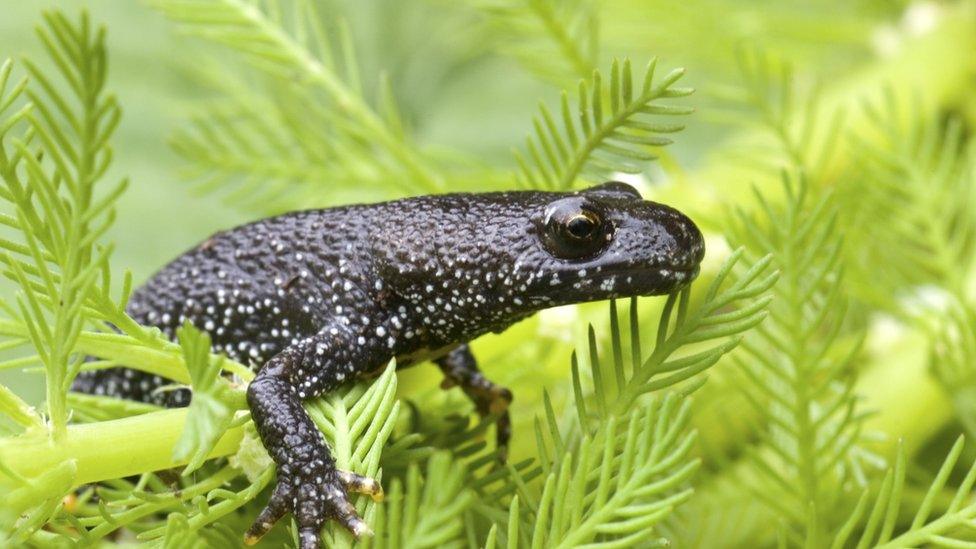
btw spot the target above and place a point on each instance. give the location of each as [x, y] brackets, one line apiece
[423, 511]
[620, 481]
[511, 533]
[206, 509]
[611, 129]
[716, 516]
[13, 109]
[49, 176]
[493, 481]
[559, 41]
[732, 306]
[877, 517]
[21, 415]
[797, 367]
[919, 175]
[797, 135]
[615, 425]
[92, 408]
[953, 356]
[315, 106]
[357, 424]
[274, 147]
[30, 502]
[356, 421]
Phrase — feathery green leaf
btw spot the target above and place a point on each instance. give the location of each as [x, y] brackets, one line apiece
[558, 41]
[587, 143]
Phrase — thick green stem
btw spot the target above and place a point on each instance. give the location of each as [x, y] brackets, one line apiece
[166, 361]
[143, 443]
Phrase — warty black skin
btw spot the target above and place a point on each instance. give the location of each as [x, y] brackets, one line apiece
[315, 299]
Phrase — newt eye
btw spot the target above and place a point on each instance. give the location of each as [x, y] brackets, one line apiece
[574, 229]
[582, 226]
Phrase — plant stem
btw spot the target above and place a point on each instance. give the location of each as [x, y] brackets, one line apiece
[166, 361]
[144, 443]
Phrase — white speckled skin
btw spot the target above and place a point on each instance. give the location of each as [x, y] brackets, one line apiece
[317, 298]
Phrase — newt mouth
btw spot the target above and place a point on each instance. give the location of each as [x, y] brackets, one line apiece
[639, 281]
[657, 280]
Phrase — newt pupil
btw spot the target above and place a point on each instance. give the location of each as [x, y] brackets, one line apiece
[582, 227]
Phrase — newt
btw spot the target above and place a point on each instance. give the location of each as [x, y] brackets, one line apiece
[319, 298]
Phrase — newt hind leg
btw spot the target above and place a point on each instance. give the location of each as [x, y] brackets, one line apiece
[461, 369]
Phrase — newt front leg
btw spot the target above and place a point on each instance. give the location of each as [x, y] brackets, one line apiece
[308, 485]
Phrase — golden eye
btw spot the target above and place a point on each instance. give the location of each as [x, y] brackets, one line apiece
[583, 226]
[574, 229]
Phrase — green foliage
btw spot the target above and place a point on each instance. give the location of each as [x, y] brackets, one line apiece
[30, 502]
[306, 129]
[49, 177]
[797, 369]
[51, 170]
[91, 408]
[209, 494]
[878, 520]
[594, 144]
[918, 173]
[799, 132]
[20, 414]
[798, 365]
[558, 41]
[724, 314]
[858, 245]
[357, 424]
[953, 356]
[623, 464]
[423, 511]
[620, 483]
[213, 404]
[141, 506]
